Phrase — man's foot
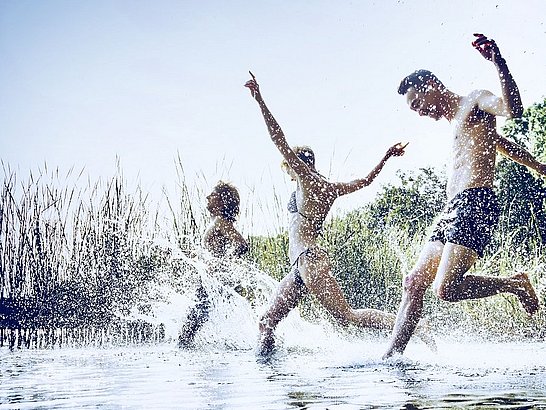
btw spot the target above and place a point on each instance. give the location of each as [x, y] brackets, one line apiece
[186, 337]
[266, 345]
[185, 342]
[526, 293]
[390, 353]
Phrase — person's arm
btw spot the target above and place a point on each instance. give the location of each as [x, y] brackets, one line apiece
[511, 99]
[239, 245]
[344, 188]
[216, 235]
[518, 154]
[209, 238]
[275, 131]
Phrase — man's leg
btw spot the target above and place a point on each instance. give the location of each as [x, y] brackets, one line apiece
[453, 284]
[414, 286]
[197, 317]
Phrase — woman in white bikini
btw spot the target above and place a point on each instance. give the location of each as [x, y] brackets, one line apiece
[309, 206]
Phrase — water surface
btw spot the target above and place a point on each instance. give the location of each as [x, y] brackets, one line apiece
[315, 366]
[344, 375]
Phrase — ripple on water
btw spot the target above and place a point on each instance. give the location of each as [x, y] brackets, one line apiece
[340, 374]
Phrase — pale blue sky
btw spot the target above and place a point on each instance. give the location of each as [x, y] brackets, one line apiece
[84, 82]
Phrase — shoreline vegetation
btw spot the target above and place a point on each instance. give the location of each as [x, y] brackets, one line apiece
[76, 260]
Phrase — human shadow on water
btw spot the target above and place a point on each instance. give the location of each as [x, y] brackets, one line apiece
[463, 401]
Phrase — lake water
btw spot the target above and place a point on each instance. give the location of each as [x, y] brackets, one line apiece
[342, 374]
[315, 367]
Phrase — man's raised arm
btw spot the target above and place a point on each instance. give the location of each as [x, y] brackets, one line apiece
[510, 92]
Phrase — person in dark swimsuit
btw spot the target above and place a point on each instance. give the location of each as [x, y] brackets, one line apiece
[469, 219]
[466, 225]
[309, 206]
[222, 240]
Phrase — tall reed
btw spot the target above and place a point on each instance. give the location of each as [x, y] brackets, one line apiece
[70, 256]
[77, 254]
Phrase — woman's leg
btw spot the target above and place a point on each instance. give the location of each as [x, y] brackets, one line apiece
[316, 271]
[289, 293]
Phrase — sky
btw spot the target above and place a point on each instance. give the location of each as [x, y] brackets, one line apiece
[93, 84]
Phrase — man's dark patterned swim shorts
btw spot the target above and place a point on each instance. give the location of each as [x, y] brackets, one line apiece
[469, 219]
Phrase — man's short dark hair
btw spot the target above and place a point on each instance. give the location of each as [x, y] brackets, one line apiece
[230, 198]
[418, 80]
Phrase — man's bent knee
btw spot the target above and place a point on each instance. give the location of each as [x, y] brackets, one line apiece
[445, 292]
[413, 284]
[344, 319]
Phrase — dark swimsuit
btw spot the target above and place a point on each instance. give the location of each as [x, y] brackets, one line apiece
[293, 209]
[469, 219]
[293, 206]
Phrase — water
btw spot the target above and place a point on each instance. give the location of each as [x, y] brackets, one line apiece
[343, 376]
[315, 367]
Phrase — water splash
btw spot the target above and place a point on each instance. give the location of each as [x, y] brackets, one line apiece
[238, 293]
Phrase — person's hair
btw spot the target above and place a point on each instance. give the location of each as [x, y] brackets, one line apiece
[418, 80]
[304, 153]
[230, 199]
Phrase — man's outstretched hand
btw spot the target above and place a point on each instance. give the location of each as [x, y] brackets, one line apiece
[487, 48]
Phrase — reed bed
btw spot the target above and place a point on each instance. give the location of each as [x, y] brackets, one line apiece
[122, 333]
[77, 256]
